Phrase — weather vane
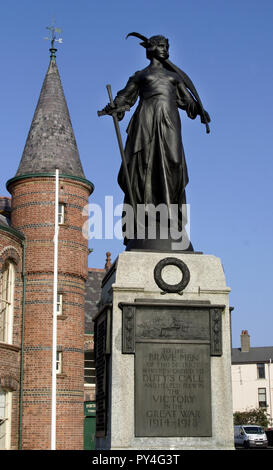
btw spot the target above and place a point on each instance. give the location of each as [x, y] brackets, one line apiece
[53, 38]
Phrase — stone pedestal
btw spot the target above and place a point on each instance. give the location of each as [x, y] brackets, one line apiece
[163, 354]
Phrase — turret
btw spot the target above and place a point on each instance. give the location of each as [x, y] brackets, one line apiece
[51, 145]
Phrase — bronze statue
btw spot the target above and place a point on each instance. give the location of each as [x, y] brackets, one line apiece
[154, 155]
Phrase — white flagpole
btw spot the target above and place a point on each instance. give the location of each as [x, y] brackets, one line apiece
[54, 315]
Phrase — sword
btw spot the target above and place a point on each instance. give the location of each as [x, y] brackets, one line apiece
[124, 163]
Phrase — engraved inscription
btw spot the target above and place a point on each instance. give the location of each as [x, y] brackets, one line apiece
[173, 390]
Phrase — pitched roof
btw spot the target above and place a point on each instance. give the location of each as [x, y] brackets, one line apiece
[5, 210]
[5, 204]
[92, 296]
[254, 355]
[4, 220]
[51, 142]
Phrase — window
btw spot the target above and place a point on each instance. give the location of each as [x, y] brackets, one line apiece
[5, 418]
[262, 397]
[261, 371]
[61, 214]
[89, 368]
[59, 361]
[6, 312]
[59, 304]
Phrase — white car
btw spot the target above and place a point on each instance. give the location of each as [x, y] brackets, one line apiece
[250, 435]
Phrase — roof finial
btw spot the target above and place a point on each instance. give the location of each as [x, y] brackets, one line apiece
[53, 38]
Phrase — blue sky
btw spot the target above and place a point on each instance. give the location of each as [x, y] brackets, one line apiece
[226, 49]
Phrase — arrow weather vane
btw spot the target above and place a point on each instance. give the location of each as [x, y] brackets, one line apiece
[53, 37]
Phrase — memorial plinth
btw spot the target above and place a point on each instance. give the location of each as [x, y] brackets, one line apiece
[163, 354]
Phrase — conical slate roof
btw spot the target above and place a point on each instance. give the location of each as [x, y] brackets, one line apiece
[51, 142]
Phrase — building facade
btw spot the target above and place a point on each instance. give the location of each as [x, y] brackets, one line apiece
[252, 377]
[92, 297]
[11, 294]
[27, 231]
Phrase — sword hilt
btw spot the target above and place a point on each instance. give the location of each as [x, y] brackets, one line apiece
[121, 109]
[123, 157]
[126, 107]
[110, 94]
[102, 112]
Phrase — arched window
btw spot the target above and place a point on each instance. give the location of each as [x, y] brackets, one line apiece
[5, 418]
[6, 298]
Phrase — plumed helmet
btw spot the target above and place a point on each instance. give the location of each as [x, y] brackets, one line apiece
[149, 43]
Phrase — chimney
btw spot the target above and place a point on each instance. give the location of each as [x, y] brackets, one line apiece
[108, 261]
[245, 341]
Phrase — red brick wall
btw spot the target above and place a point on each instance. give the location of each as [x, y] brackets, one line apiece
[33, 214]
[11, 250]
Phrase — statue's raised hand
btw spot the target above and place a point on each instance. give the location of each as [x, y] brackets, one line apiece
[112, 109]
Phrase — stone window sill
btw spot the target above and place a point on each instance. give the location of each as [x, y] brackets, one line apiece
[12, 347]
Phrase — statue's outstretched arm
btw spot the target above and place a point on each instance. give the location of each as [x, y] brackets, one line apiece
[124, 100]
[128, 95]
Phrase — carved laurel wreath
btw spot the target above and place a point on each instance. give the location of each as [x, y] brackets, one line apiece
[172, 288]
